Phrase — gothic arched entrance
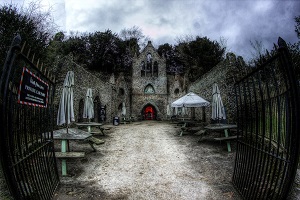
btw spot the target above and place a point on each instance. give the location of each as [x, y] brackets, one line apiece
[149, 112]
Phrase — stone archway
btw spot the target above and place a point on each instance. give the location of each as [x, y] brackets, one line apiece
[80, 110]
[97, 105]
[149, 112]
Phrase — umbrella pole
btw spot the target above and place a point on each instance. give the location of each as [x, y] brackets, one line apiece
[67, 120]
[89, 127]
[67, 149]
[64, 145]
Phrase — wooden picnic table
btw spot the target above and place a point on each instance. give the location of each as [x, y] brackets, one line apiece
[224, 127]
[89, 125]
[65, 136]
[184, 118]
[185, 124]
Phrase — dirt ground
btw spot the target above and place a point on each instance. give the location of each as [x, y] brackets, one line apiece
[146, 160]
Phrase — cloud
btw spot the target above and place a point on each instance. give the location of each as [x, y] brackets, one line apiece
[164, 21]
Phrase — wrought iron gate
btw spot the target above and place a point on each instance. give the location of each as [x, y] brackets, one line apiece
[268, 127]
[26, 142]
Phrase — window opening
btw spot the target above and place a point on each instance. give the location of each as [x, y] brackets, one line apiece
[149, 89]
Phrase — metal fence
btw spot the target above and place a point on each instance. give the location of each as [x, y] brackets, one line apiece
[268, 129]
[26, 140]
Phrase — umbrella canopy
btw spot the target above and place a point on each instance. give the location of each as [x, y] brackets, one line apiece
[66, 110]
[88, 109]
[123, 109]
[190, 100]
[218, 111]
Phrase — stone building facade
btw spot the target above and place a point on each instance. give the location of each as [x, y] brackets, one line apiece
[148, 91]
[149, 85]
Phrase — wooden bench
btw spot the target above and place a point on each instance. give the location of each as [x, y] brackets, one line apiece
[64, 155]
[67, 155]
[226, 138]
[101, 131]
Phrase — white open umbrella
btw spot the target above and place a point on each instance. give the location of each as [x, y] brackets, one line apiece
[190, 100]
[66, 110]
[88, 109]
[218, 111]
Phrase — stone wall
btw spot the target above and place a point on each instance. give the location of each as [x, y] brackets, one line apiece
[224, 74]
[177, 85]
[84, 79]
[122, 94]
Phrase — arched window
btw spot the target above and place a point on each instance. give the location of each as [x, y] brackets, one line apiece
[143, 68]
[149, 65]
[97, 105]
[80, 110]
[120, 107]
[149, 58]
[176, 91]
[155, 69]
[121, 91]
[149, 89]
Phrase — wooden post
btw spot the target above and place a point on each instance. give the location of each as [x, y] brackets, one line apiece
[63, 161]
[228, 142]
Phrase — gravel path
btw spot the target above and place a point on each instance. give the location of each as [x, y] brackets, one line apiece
[145, 160]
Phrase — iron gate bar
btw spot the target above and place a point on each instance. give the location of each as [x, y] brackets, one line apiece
[27, 149]
[268, 143]
[295, 101]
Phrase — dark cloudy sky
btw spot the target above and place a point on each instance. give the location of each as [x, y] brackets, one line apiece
[238, 21]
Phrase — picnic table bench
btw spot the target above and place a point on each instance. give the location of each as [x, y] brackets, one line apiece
[65, 135]
[225, 128]
[89, 126]
[226, 138]
[190, 126]
[69, 154]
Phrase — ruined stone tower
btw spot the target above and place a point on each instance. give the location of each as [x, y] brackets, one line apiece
[149, 85]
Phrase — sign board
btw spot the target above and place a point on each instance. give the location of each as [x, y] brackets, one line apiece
[33, 90]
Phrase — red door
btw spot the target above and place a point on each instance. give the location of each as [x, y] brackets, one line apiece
[149, 113]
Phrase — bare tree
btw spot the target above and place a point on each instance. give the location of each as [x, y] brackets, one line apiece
[258, 48]
[136, 33]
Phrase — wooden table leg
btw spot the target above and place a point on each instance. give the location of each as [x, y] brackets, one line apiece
[184, 125]
[63, 161]
[228, 142]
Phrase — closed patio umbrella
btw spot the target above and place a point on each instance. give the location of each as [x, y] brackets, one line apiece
[123, 109]
[168, 110]
[218, 111]
[88, 109]
[66, 111]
